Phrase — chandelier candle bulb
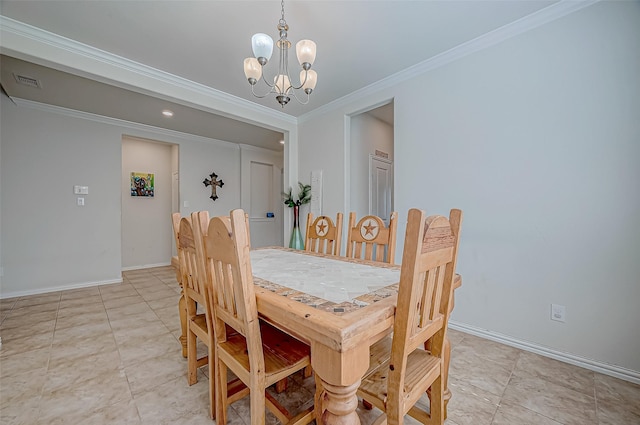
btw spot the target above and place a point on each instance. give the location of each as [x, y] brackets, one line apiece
[252, 70]
[306, 52]
[309, 79]
[282, 87]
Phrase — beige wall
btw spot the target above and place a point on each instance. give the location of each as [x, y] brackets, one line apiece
[537, 140]
[48, 242]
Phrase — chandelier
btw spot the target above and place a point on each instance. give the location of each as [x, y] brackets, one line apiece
[282, 86]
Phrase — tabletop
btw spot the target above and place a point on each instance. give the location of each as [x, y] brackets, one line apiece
[334, 284]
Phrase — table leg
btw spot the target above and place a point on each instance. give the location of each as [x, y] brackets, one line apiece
[339, 404]
[339, 374]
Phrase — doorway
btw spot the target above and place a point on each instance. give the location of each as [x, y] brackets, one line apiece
[147, 236]
[370, 161]
[261, 185]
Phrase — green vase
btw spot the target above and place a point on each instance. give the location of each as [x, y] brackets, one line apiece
[296, 241]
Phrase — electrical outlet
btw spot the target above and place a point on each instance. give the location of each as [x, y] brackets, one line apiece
[558, 312]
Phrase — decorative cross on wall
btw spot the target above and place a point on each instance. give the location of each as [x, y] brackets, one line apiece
[213, 182]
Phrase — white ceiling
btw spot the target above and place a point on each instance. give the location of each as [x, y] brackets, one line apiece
[359, 44]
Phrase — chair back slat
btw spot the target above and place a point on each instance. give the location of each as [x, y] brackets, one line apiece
[322, 235]
[187, 255]
[370, 239]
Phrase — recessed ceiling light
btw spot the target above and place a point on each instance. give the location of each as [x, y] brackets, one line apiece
[167, 113]
[282, 142]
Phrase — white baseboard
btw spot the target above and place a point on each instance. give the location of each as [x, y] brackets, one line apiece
[594, 365]
[145, 266]
[58, 288]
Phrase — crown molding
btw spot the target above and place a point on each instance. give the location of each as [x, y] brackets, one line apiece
[515, 28]
[13, 27]
[172, 134]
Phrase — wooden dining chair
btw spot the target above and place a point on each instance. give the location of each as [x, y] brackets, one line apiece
[175, 262]
[370, 239]
[406, 365]
[200, 326]
[322, 235]
[258, 354]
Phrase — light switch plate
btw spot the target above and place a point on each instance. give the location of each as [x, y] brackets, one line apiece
[558, 312]
[81, 190]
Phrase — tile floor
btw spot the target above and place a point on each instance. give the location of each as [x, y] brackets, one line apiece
[110, 355]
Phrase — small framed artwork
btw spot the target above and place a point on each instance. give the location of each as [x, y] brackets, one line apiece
[142, 184]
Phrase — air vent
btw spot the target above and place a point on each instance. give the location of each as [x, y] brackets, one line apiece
[27, 81]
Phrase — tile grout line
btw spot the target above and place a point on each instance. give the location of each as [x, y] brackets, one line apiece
[121, 364]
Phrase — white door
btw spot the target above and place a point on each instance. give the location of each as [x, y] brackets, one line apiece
[380, 187]
[261, 195]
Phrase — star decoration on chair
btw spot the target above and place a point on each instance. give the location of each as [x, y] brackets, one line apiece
[369, 231]
[213, 182]
[322, 227]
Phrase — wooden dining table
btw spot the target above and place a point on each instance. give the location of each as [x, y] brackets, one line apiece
[339, 306]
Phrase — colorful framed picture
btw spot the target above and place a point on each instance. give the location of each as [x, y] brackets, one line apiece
[142, 184]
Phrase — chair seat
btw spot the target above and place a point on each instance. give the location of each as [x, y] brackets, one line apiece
[282, 352]
[421, 366]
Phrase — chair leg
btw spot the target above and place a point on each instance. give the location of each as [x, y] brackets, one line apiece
[308, 371]
[258, 406]
[192, 357]
[221, 392]
[437, 401]
[393, 414]
[212, 381]
[281, 385]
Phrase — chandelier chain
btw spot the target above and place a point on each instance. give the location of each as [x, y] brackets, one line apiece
[282, 21]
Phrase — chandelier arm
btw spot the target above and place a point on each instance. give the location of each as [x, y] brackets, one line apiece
[272, 86]
[264, 95]
[298, 99]
[301, 83]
